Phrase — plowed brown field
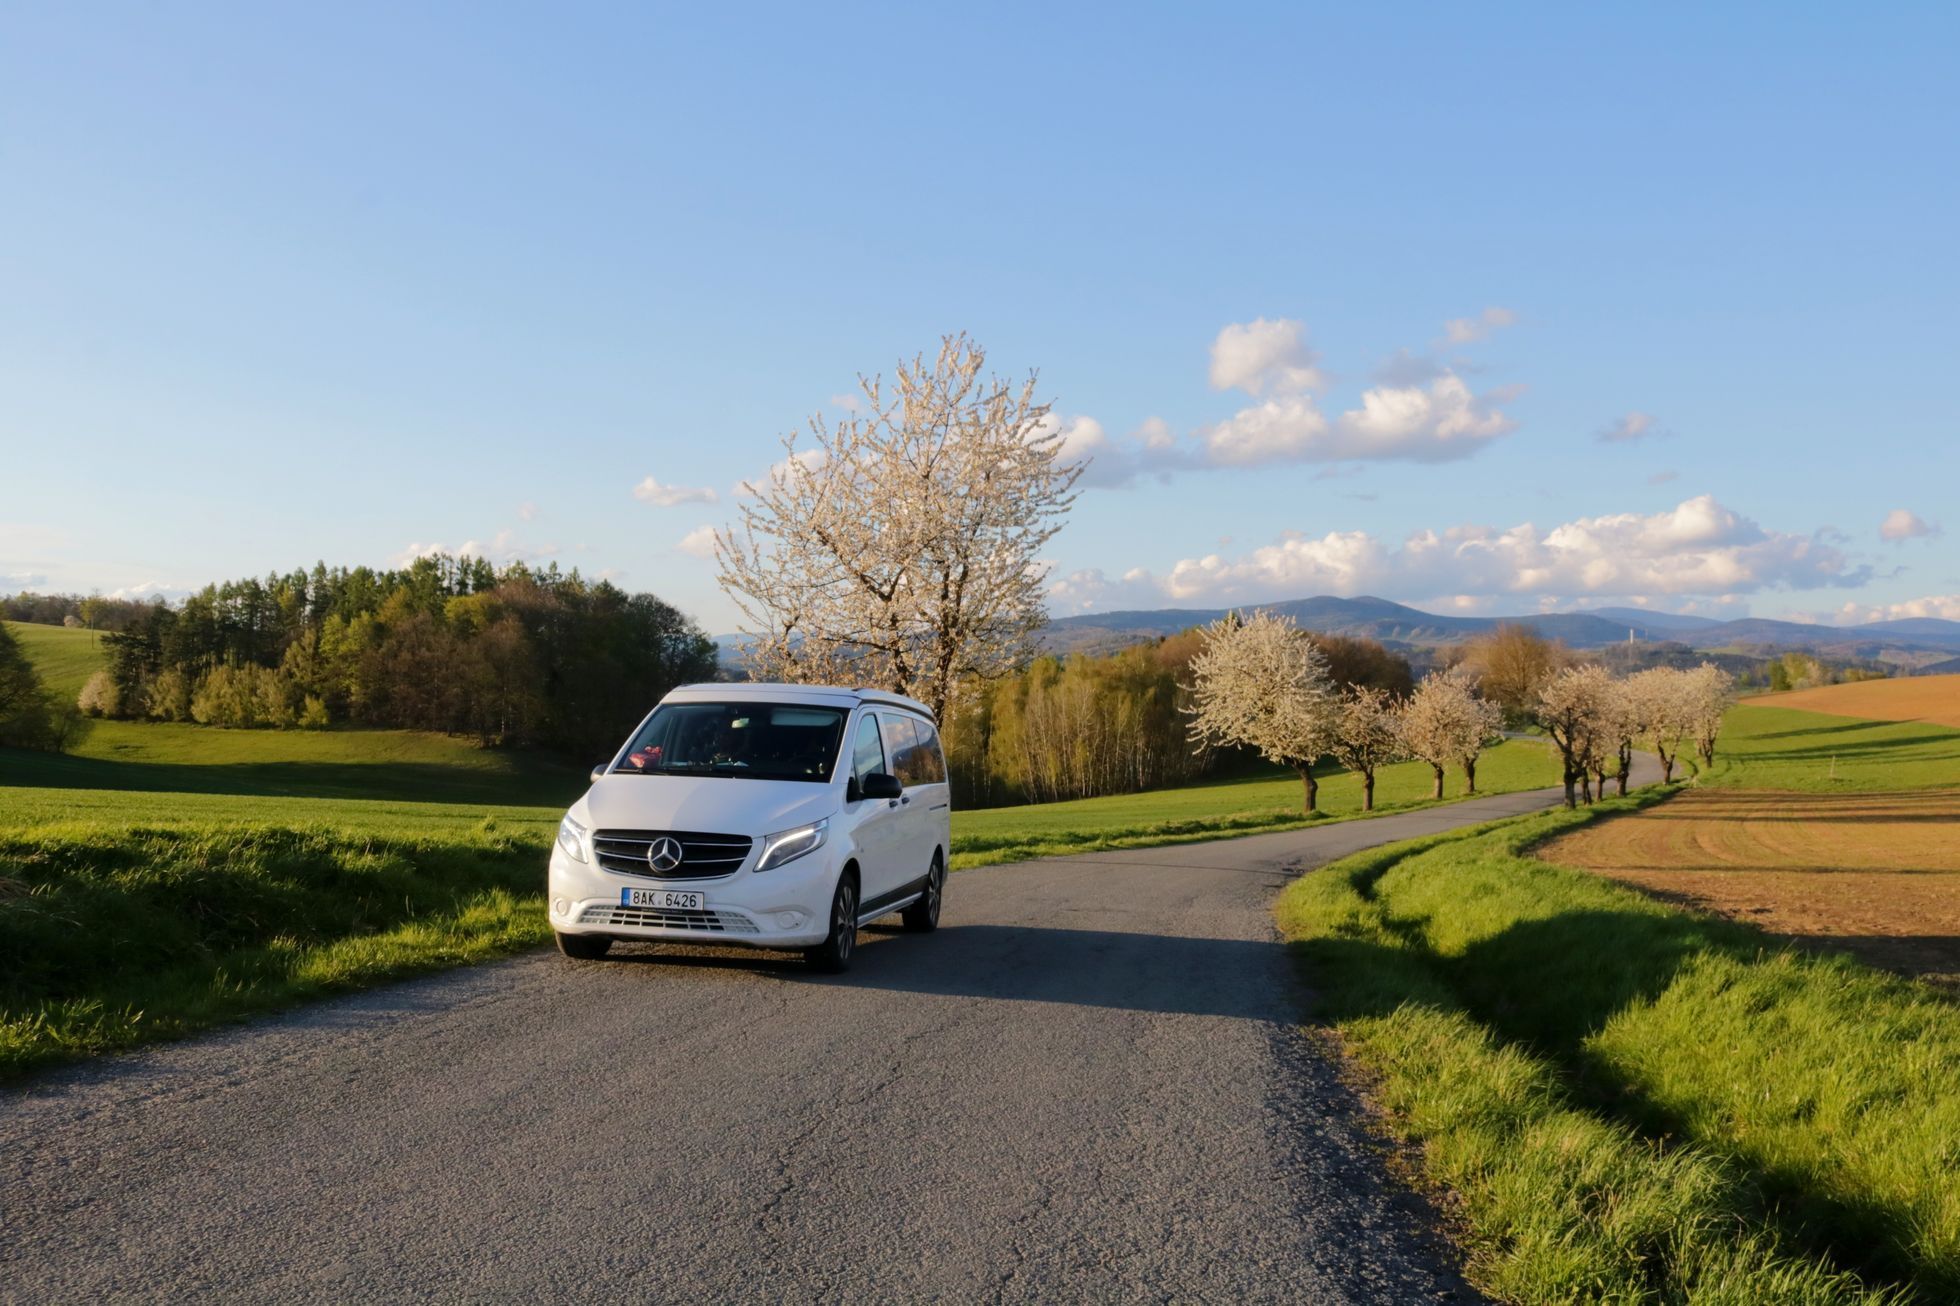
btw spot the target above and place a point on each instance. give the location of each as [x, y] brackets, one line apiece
[1876, 874]
[1910, 698]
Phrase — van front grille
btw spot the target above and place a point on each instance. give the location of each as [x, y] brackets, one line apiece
[703, 856]
[711, 922]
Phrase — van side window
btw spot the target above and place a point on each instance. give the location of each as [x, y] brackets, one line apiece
[932, 762]
[867, 752]
[904, 744]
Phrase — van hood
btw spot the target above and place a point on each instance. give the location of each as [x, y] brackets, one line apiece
[704, 804]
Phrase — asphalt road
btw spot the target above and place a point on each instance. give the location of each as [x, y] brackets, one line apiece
[1090, 1083]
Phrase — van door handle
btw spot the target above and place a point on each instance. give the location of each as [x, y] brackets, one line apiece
[906, 799]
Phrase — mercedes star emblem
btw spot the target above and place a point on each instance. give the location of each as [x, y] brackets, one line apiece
[664, 853]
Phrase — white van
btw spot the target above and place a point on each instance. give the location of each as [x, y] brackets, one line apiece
[774, 816]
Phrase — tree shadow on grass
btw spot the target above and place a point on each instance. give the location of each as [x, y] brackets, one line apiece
[1546, 986]
[537, 779]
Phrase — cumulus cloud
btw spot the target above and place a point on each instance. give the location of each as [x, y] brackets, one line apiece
[1469, 330]
[149, 590]
[698, 543]
[1111, 462]
[1436, 422]
[1902, 524]
[1261, 357]
[810, 459]
[1698, 548]
[504, 547]
[1633, 426]
[652, 492]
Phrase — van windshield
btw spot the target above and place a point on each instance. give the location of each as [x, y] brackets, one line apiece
[749, 741]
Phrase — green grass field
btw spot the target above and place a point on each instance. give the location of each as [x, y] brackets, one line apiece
[1632, 1102]
[63, 658]
[1765, 747]
[1257, 805]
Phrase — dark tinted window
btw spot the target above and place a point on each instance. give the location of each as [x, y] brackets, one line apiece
[932, 760]
[867, 754]
[754, 741]
[914, 747]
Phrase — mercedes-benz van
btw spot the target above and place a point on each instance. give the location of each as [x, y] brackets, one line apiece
[773, 816]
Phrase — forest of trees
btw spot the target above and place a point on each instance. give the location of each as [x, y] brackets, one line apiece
[1083, 726]
[511, 655]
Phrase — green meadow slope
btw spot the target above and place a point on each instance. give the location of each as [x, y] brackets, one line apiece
[1634, 1102]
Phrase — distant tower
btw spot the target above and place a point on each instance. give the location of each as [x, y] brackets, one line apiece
[1629, 634]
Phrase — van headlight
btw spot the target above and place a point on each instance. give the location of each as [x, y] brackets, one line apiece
[779, 849]
[571, 837]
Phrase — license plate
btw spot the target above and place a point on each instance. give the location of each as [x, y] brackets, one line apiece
[663, 899]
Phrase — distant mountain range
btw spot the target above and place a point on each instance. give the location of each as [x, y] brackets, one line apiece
[1908, 641]
[1915, 643]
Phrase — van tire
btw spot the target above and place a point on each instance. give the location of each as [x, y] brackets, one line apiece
[833, 955]
[922, 917]
[584, 947]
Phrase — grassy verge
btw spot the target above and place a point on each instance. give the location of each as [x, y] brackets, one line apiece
[119, 934]
[1634, 1103]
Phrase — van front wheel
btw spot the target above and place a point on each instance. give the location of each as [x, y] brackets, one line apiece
[833, 955]
[584, 947]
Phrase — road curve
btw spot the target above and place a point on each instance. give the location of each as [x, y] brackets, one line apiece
[1090, 1083]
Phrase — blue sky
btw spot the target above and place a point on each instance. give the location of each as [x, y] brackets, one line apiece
[283, 283]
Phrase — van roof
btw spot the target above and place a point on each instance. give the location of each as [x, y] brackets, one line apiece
[778, 693]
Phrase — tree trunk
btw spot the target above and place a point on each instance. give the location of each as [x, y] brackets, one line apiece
[1368, 789]
[1469, 775]
[1312, 787]
[1439, 780]
[1626, 770]
[1571, 789]
[1667, 766]
[1585, 785]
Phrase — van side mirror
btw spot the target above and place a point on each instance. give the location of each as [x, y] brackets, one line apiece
[879, 785]
[599, 771]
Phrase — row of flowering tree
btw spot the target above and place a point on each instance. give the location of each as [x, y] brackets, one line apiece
[1260, 682]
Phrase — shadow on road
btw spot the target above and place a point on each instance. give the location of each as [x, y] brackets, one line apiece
[1234, 978]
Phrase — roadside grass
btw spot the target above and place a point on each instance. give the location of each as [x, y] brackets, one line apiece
[1636, 1103]
[1259, 805]
[1781, 748]
[119, 934]
[63, 658]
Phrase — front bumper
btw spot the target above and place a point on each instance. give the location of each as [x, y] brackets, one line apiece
[788, 907]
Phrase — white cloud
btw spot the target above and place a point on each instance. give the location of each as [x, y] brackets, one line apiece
[1436, 422]
[1698, 548]
[652, 492]
[1945, 607]
[12, 581]
[527, 511]
[1469, 330]
[1261, 356]
[1113, 462]
[1633, 426]
[502, 547]
[148, 590]
[810, 459]
[849, 403]
[698, 543]
[1901, 524]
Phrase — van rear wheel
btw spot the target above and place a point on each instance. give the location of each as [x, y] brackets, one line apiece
[922, 917]
[833, 955]
[584, 947]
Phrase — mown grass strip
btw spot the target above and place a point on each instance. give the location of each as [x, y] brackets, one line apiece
[1635, 1103]
[117, 936]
